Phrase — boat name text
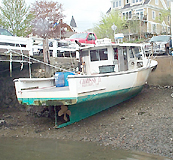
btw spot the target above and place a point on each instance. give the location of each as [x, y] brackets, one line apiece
[90, 81]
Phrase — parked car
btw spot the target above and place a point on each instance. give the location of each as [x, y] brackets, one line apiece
[5, 32]
[161, 44]
[87, 38]
[40, 49]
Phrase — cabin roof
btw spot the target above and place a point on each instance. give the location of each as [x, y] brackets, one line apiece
[111, 44]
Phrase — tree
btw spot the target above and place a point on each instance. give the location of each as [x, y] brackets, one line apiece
[103, 28]
[47, 22]
[15, 17]
[133, 26]
[163, 17]
[47, 18]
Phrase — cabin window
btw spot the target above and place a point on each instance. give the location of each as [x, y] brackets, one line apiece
[116, 53]
[136, 51]
[125, 53]
[103, 54]
[131, 53]
[94, 55]
[99, 55]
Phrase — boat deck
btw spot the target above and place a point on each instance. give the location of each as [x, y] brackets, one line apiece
[49, 92]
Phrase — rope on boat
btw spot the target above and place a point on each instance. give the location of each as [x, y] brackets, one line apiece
[36, 60]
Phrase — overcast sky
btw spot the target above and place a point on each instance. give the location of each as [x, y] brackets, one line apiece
[85, 12]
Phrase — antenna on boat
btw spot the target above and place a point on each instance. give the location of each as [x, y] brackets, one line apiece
[77, 42]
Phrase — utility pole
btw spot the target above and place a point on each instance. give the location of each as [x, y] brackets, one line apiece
[114, 27]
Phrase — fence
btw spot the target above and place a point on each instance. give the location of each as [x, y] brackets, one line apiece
[27, 44]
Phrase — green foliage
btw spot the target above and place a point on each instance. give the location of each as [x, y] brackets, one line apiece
[15, 17]
[135, 41]
[103, 28]
[164, 15]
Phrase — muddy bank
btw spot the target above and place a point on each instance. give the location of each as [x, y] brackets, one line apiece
[144, 123]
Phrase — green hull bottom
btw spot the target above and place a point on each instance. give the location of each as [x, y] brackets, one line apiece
[86, 108]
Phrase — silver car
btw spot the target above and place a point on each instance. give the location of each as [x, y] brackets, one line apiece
[161, 44]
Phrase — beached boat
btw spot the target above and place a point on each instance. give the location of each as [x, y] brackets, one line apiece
[108, 74]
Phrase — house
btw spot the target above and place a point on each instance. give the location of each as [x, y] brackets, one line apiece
[147, 13]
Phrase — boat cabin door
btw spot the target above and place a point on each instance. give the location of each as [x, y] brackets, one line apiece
[122, 56]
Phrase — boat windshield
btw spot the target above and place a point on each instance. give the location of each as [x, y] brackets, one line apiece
[98, 55]
[137, 51]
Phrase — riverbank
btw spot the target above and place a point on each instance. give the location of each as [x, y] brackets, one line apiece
[144, 123]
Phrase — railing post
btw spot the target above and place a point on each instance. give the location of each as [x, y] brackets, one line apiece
[30, 46]
[55, 48]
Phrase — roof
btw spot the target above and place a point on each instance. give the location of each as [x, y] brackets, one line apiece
[109, 10]
[146, 1]
[72, 22]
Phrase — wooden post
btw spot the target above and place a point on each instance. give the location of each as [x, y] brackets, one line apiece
[56, 121]
[11, 67]
[29, 67]
[46, 51]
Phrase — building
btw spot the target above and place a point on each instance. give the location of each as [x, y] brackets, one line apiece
[148, 13]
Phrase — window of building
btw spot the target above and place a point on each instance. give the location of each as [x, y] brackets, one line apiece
[124, 15]
[127, 1]
[99, 55]
[160, 16]
[119, 2]
[156, 2]
[136, 1]
[141, 15]
[133, 1]
[130, 14]
[154, 28]
[116, 3]
[113, 4]
[153, 14]
[127, 15]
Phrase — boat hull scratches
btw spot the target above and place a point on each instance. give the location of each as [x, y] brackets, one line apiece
[46, 101]
[87, 108]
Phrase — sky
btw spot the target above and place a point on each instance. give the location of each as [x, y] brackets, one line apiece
[85, 12]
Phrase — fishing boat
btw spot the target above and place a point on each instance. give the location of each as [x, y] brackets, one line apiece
[108, 74]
